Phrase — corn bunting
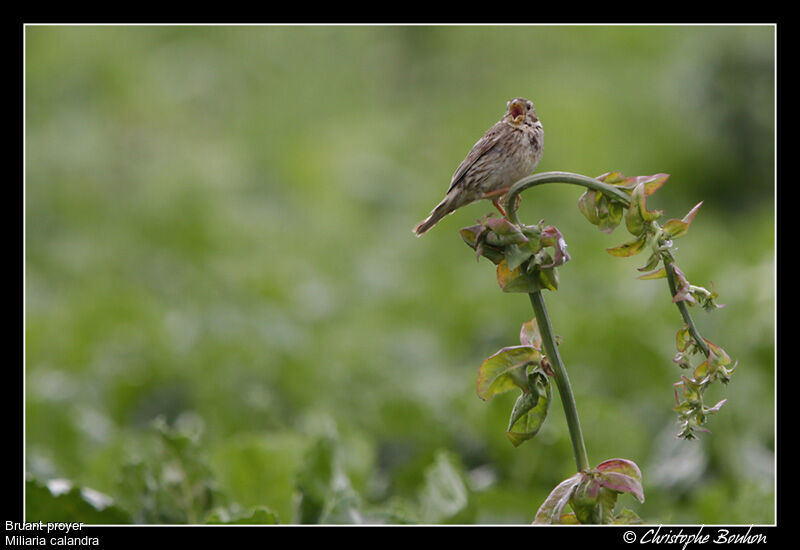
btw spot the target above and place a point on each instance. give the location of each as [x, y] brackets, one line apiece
[507, 152]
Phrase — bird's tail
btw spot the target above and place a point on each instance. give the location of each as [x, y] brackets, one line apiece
[447, 206]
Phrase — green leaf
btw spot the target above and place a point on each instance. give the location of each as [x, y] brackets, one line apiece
[627, 517]
[445, 498]
[702, 371]
[586, 501]
[172, 481]
[568, 519]
[529, 411]
[587, 204]
[652, 262]
[260, 515]
[683, 338]
[601, 211]
[652, 183]
[675, 228]
[638, 216]
[324, 491]
[475, 237]
[657, 274]
[516, 280]
[239, 467]
[505, 370]
[553, 506]
[470, 234]
[548, 278]
[633, 221]
[612, 178]
[691, 389]
[717, 355]
[60, 501]
[679, 228]
[516, 255]
[629, 249]
[613, 212]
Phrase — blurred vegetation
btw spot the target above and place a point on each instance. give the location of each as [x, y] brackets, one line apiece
[225, 302]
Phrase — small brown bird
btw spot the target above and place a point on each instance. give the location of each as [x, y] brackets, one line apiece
[507, 152]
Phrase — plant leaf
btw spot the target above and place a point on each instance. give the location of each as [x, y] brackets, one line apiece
[516, 255]
[548, 278]
[657, 274]
[622, 466]
[516, 280]
[529, 411]
[683, 338]
[61, 501]
[679, 228]
[259, 515]
[627, 517]
[630, 248]
[551, 236]
[587, 204]
[475, 237]
[613, 216]
[653, 183]
[622, 483]
[445, 497]
[529, 334]
[505, 370]
[551, 509]
[638, 216]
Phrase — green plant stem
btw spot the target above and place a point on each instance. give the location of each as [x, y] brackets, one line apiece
[559, 177]
[562, 380]
[687, 318]
[543, 321]
[610, 191]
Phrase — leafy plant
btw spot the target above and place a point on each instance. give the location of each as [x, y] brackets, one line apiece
[59, 500]
[170, 484]
[526, 259]
[173, 484]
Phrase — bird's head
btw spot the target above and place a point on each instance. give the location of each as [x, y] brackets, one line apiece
[519, 111]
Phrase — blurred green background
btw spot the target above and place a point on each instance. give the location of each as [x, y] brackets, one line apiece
[218, 236]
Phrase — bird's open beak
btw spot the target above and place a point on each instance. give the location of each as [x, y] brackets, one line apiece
[517, 111]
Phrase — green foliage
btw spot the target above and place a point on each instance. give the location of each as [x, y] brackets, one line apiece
[259, 515]
[59, 501]
[173, 484]
[327, 496]
[522, 367]
[641, 223]
[524, 263]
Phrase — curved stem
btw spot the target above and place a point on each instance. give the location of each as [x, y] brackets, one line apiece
[558, 177]
[562, 380]
[543, 320]
[611, 191]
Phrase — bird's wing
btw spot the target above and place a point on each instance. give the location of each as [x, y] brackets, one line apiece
[489, 140]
